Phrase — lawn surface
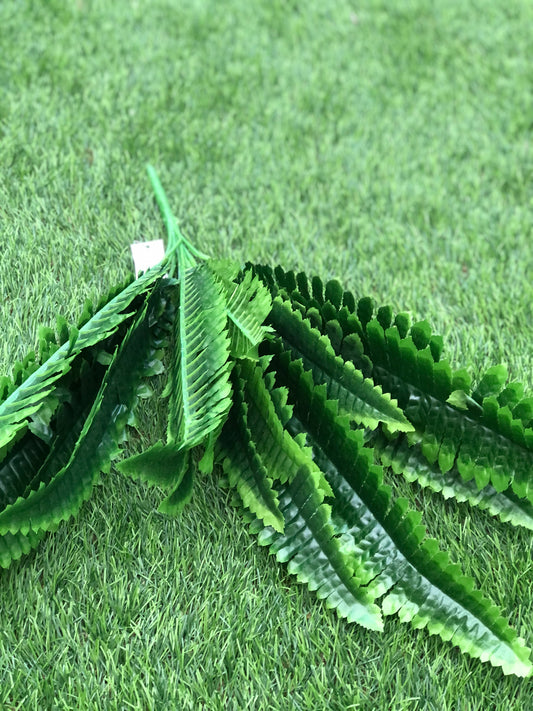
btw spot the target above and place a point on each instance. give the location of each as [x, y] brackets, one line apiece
[387, 144]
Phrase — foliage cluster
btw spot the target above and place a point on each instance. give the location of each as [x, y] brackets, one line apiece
[302, 393]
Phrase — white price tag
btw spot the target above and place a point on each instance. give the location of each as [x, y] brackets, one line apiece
[147, 254]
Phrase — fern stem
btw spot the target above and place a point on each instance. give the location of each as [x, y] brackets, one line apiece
[175, 237]
[173, 231]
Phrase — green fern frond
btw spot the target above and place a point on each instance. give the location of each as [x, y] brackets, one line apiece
[25, 401]
[200, 389]
[180, 496]
[198, 385]
[248, 304]
[19, 466]
[486, 439]
[70, 417]
[242, 463]
[281, 455]
[410, 462]
[45, 507]
[34, 460]
[480, 437]
[359, 397]
[301, 533]
[390, 555]
[20, 372]
[159, 465]
[14, 546]
[313, 553]
[247, 474]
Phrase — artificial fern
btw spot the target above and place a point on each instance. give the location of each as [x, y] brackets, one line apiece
[485, 433]
[298, 395]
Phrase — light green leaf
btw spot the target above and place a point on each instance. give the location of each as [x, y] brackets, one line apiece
[200, 392]
[248, 305]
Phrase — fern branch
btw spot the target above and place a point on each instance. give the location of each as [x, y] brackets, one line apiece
[180, 252]
[200, 390]
[19, 466]
[243, 464]
[359, 397]
[266, 413]
[410, 462]
[14, 546]
[26, 399]
[487, 433]
[387, 543]
[181, 494]
[248, 305]
[313, 553]
[46, 507]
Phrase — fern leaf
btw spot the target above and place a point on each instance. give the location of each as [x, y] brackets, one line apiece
[271, 460]
[25, 400]
[248, 304]
[487, 439]
[69, 420]
[51, 503]
[410, 462]
[243, 465]
[181, 495]
[199, 386]
[313, 553]
[33, 461]
[390, 555]
[19, 466]
[159, 465]
[484, 439]
[36, 459]
[14, 546]
[279, 452]
[365, 403]
[200, 390]
[248, 475]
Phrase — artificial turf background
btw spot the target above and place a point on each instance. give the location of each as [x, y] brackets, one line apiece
[387, 144]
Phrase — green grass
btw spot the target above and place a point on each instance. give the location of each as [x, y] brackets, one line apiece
[387, 144]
